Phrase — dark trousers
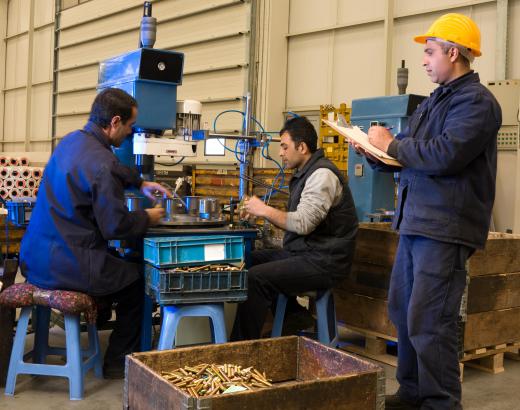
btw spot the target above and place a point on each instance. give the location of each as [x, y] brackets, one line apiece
[126, 336]
[273, 272]
[426, 288]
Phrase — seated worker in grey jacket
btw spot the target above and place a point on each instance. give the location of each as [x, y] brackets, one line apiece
[320, 225]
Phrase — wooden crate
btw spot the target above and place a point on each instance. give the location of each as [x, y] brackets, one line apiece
[376, 245]
[14, 238]
[306, 374]
[492, 326]
[481, 329]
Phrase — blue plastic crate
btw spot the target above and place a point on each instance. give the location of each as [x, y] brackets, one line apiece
[19, 211]
[173, 287]
[164, 252]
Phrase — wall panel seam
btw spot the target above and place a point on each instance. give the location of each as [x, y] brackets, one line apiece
[189, 43]
[162, 21]
[382, 19]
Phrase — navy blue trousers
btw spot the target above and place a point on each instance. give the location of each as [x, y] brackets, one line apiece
[272, 272]
[426, 288]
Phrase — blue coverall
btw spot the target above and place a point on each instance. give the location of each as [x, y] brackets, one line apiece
[446, 195]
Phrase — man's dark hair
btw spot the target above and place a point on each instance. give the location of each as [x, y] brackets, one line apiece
[110, 103]
[301, 130]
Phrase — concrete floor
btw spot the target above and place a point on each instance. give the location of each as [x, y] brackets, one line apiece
[481, 390]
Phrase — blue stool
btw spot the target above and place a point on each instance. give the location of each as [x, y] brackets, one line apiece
[325, 310]
[172, 315]
[78, 361]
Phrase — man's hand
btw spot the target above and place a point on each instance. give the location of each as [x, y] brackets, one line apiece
[155, 215]
[254, 206]
[380, 137]
[148, 188]
[360, 150]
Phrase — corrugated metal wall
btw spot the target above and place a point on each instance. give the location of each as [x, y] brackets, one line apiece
[341, 49]
[213, 35]
[26, 79]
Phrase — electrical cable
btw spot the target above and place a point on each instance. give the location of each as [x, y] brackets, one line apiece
[264, 151]
[167, 164]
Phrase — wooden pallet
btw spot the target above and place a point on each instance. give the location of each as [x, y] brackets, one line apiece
[488, 359]
[375, 345]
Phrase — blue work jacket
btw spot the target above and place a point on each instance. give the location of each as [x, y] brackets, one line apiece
[449, 157]
[80, 206]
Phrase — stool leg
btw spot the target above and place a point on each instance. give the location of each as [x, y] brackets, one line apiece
[321, 312]
[327, 326]
[41, 333]
[333, 322]
[279, 315]
[74, 359]
[93, 343]
[218, 323]
[17, 352]
[169, 326]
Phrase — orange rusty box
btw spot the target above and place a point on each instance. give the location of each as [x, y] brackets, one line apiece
[305, 375]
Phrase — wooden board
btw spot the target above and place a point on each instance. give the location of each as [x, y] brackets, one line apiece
[481, 330]
[363, 312]
[305, 374]
[367, 279]
[494, 292]
[224, 183]
[501, 255]
[492, 328]
[377, 244]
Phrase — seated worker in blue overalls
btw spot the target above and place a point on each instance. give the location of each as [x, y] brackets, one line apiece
[320, 225]
[80, 206]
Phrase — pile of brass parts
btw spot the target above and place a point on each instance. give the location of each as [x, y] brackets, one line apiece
[207, 380]
[210, 268]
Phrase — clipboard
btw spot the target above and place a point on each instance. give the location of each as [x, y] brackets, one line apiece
[356, 134]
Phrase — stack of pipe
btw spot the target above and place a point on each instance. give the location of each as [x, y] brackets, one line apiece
[18, 179]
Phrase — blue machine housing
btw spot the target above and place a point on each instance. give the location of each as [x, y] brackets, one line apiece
[373, 190]
[151, 76]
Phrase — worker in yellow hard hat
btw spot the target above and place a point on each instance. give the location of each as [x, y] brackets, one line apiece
[448, 154]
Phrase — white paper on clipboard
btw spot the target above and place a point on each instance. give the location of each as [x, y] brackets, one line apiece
[360, 137]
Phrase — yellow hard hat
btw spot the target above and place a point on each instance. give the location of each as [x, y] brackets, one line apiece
[455, 28]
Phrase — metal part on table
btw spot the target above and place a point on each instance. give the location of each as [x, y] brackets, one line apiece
[192, 204]
[134, 202]
[209, 208]
[191, 220]
[173, 207]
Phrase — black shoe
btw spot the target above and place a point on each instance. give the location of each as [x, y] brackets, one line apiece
[395, 402]
[114, 372]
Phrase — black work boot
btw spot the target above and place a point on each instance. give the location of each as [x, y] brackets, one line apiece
[395, 402]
